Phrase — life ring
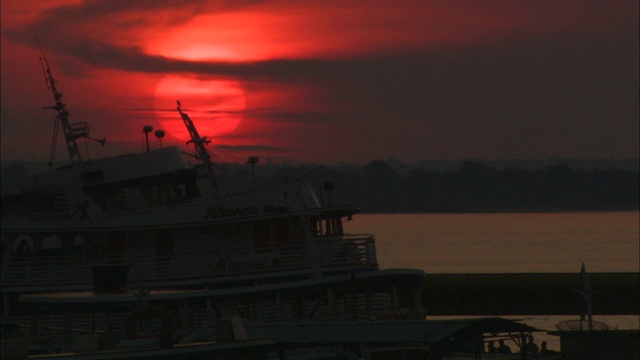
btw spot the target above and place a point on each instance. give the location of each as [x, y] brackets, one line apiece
[163, 332]
[23, 245]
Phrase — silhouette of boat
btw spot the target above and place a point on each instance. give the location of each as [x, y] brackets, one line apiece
[79, 237]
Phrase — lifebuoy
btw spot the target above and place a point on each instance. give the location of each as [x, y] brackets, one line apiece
[163, 332]
[23, 246]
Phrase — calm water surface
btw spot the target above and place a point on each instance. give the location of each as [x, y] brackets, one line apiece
[505, 242]
[510, 243]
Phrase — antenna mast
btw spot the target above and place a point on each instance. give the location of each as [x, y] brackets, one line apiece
[198, 142]
[71, 132]
[586, 295]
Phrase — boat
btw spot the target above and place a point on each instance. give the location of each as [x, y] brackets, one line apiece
[166, 220]
[157, 255]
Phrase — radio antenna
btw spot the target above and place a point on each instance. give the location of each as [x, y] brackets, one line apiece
[199, 142]
[71, 131]
[43, 60]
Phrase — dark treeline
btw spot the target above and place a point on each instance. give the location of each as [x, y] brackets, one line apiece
[468, 186]
[472, 187]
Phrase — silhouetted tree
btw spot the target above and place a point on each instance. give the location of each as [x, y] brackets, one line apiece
[377, 187]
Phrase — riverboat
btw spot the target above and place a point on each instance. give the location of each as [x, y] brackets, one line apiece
[173, 223]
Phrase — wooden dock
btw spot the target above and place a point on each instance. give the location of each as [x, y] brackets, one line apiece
[529, 294]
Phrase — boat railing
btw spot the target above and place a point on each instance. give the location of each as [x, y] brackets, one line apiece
[337, 251]
[59, 331]
[74, 272]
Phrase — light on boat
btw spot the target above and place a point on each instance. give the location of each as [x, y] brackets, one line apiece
[159, 135]
[147, 129]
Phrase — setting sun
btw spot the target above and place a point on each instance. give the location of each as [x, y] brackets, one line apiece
[216, 106]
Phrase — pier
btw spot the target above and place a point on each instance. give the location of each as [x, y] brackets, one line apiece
[529, 294]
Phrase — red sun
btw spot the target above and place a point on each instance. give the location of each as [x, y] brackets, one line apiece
[215, 106]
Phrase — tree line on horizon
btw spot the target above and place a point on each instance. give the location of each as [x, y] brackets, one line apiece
[377, 187]
[473, 186]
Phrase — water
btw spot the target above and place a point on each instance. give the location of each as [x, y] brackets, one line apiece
[510, 243]
[505, 242]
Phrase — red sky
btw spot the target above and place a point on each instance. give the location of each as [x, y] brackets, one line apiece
[329, 81]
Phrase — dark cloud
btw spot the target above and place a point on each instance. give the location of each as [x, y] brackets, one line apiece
[118, 12]
[563, 89]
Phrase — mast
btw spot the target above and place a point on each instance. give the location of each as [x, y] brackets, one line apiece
[586, 295]
[199, 142]
[71, 131]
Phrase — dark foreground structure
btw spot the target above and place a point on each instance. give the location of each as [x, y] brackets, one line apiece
[599, 345]
[381, 340]
[529, 294]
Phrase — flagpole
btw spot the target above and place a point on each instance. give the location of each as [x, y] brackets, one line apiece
[586, 295]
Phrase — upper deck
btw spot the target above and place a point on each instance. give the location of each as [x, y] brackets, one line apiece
[103, 171]
[153, 189]
[326, 254]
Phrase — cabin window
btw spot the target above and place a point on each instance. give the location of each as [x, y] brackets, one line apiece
[180, 190]
[281, 233]
[232, 231]
[151, 194]
[338, 223]
[144, 193]
[297, 229]
[114, 200]
[172, 192]
[97, 196]
[164, 243]
[116, 246]
[118, 198]
[92, 175]
[327, 226]
[190, 188]
[37, 200]
[313, 226]
[261, 237]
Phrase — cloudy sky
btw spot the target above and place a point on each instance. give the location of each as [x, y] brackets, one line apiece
[328, 81]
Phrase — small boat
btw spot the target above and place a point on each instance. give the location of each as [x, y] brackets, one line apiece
[586, 322]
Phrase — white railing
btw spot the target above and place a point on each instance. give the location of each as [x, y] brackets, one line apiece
[75, 272]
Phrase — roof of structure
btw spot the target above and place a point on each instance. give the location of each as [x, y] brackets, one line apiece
[384, 332]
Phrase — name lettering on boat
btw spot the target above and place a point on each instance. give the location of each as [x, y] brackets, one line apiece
[223, 212]
[226, 263]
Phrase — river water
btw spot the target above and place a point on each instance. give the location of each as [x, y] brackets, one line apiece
[510, 243]
[505, 242]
